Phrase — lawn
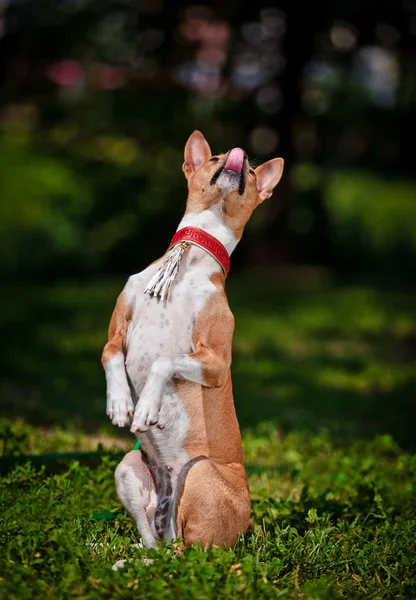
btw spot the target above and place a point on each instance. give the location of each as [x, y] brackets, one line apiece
[324, 379]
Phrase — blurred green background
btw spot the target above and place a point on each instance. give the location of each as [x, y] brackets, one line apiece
[97, 100]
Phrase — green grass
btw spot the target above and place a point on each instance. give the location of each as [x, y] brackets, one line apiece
[324, 378]
[323, 356]
[336, 523]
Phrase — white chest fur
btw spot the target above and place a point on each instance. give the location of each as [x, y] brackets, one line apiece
[164, 328]
[160, 329]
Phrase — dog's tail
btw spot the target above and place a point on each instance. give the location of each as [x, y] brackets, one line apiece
[173, 508]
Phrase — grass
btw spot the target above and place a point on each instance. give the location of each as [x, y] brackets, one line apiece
[335, 522]
[324, 382]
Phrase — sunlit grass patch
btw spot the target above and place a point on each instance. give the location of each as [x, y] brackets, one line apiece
[336, 357]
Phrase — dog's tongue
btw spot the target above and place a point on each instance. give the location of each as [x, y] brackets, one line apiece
[235, 160]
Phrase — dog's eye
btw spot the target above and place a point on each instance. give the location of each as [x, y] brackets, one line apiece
[251, 172]
[214, 159]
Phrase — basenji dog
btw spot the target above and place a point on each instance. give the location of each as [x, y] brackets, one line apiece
[167, 363]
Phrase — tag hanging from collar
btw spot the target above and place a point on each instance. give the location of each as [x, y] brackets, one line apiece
[161, 283]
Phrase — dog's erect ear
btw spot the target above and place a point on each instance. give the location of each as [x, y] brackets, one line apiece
[197, 151]
[268, 176]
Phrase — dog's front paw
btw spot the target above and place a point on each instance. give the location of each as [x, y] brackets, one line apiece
[120, 409]
[145, 415]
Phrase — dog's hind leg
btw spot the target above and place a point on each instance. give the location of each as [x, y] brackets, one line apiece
[137, 492]
[213, 504]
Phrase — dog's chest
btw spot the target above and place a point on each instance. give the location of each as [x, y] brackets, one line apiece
[166, 328]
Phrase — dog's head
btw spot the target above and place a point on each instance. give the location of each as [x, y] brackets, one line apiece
[227, 181]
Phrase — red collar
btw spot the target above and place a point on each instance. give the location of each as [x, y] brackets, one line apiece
[204, 240]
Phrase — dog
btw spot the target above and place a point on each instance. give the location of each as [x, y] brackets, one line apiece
[167, 363]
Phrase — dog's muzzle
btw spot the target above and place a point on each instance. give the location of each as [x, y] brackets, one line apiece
[231, 175]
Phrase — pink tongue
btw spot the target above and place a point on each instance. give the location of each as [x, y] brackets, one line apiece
[235, 160]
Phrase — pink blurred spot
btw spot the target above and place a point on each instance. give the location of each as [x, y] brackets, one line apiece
[215, 33]
[66, 73]
[211, 32]
[191, 29]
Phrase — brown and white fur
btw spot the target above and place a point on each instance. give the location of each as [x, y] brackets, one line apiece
[167, 367]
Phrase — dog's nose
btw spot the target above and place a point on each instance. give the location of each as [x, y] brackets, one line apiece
[235, 160]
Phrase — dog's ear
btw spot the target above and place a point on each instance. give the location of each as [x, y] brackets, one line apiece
[268, 176]
[197, 151]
